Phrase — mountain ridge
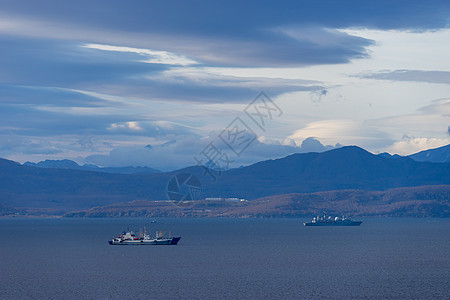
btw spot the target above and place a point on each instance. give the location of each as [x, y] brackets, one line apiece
[344, 168]
[70, 164]
[422, 201]
[437, 155]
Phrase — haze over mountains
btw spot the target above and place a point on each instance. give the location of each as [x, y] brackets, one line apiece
[34, 190]
[70, 164]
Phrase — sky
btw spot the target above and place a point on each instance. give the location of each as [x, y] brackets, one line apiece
[169, 84]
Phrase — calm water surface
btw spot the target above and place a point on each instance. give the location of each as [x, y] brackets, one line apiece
[226, 258]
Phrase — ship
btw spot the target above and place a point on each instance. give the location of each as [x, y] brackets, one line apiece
[128, 237]
[329, 221]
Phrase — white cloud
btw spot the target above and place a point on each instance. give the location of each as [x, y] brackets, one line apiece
[344, 131]
[218, 77]
[411, 145]
[439, 106]
[152, 56]
[425, 128]
[134, 126]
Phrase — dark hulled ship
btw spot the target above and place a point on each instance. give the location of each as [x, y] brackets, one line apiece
[330, 221]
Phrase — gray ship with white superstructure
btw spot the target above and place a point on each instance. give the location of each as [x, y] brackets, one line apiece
[129, 238]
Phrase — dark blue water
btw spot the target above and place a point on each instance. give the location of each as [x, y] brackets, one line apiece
[226, 258]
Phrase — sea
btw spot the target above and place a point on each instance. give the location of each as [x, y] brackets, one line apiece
[384, 258]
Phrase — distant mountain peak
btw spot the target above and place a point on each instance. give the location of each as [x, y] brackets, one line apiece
[348, 151]
[387, 155]
[54, 164]
[70, 164]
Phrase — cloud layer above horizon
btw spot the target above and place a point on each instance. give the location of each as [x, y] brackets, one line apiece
[98, 81]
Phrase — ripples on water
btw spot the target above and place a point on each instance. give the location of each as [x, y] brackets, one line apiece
[226, 258]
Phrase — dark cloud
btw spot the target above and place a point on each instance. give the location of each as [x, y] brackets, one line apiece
[47, 96]
[50, 63]
[238, 17]
[29, 120]
[29, 62]
[209, 88]
[280, 47]
[244, 33]
[34, 121]
[13, 144]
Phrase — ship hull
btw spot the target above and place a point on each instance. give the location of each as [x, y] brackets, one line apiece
[171, 241]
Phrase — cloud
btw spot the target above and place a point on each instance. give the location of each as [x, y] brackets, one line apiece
[438, 107]
[277, 47]
[313, 145]
[66, 64]
[299, 34]
[426, 121]
[151, 56]
[48, 96]
[187, 151]
[126, 72]
[131, 125]
[347, 132]
[29, 146]
[86, 54]
[42, 111]
[410, 145]
[69, 73]
[442, 77]
[417, 131]
[204, 85]
[266, 44]
[43, 121]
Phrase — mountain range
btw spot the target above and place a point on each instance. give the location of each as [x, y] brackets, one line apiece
[70, 164]
[37, 190]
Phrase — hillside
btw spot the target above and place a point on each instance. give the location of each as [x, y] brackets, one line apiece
[438, 155]
[424, 201]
